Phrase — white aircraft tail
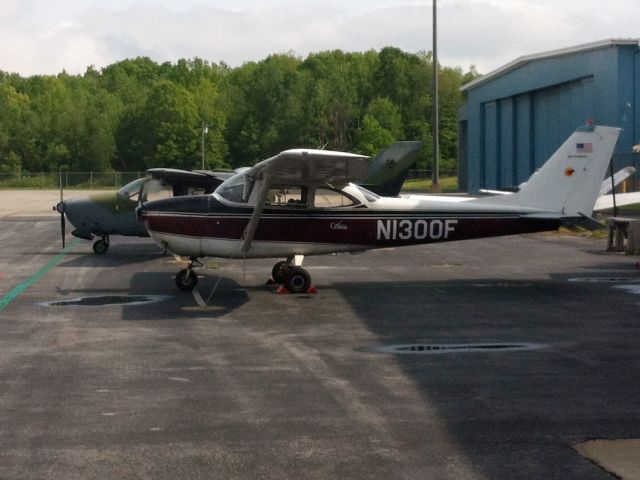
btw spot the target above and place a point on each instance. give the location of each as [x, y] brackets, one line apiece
[569, 182]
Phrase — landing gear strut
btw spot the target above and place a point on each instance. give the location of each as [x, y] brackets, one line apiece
[101, 246]
[186, 279]
[291, 275]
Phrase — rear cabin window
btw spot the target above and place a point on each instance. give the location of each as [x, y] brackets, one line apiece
[294, 196]
[327, 198]
[156, 190]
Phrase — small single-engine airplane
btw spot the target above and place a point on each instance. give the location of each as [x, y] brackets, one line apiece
[114, 213]
[303, 202]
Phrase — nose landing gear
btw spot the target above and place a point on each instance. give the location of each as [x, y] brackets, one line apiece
[101, 246]
[186, 279]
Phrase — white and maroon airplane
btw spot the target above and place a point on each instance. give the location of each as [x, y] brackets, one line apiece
[304, 202]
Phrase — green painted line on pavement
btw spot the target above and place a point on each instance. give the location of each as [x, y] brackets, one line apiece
[36, 277]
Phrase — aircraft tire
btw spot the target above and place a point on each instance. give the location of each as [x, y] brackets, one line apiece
[186, 280]
[297, 280]
[100, 247]
[279, 272]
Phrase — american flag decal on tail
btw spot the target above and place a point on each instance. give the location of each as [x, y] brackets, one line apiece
[584, 147]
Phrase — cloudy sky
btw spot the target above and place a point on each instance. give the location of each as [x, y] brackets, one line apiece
[44, 36]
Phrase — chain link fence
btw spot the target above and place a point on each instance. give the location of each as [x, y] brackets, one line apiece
[426, 174]
[114, 180]
[71, 180]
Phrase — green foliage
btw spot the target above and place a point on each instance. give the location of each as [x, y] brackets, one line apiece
[137, 114]
[447, 184]
[373, 137]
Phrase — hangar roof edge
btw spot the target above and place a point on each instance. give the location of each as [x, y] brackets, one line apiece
[548, 54]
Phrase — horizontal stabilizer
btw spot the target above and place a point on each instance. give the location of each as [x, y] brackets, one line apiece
[583, 221]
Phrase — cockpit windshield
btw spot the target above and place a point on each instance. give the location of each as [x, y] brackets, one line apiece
[132, 189]
[369, 195]
[236, 189]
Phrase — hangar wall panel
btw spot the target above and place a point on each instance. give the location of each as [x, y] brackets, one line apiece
[520, 133]
[515, 120]
[489, 168]
[506, 134]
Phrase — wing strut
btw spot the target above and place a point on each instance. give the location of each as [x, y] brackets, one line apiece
[252, 226]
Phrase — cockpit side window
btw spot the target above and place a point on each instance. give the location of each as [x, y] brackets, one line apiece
[287, 196]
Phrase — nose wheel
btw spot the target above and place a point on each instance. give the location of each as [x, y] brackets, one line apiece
[101, 246]
[186, 279]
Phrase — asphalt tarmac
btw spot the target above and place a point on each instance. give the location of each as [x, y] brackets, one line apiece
[264, 386]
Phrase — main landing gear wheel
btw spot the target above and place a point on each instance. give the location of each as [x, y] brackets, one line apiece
[186, 279]
[279, 272]
[297, 280]
[101, 246]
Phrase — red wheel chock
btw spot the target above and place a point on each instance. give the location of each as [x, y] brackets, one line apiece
[282, 290]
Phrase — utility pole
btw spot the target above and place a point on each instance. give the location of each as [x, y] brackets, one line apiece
[205, 130]
[435, 174]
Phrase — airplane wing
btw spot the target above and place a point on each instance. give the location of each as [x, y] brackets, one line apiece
[618, 177]
[182, 180]
[312, 167]
[302, 167]
[605, 202]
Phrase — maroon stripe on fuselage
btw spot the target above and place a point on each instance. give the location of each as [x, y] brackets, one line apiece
[382, 231]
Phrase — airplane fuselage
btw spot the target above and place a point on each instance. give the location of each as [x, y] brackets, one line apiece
[104, 213]
[204, 226]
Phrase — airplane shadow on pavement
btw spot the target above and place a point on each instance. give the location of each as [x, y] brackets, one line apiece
[181, 304]
[513, 415]
[118, 255]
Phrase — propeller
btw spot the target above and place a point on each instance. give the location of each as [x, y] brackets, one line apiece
[60, 208]
[62, 228]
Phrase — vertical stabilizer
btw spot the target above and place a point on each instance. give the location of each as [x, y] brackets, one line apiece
[569, 182]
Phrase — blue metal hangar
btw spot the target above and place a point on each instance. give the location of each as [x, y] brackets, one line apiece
[516, 116]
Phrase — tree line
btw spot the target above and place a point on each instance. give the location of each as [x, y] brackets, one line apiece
[138, 114]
